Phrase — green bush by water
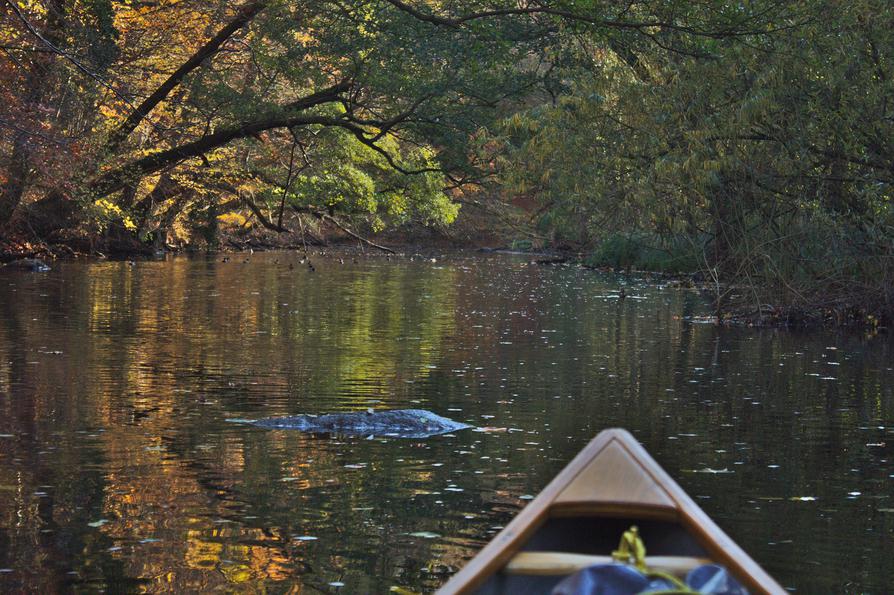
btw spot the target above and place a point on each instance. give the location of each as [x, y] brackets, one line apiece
[648, 253]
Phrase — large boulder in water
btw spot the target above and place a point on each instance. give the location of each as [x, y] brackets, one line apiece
[399, 423]
[34, 265]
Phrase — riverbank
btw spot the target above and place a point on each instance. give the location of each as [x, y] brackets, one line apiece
[435, 247]
[743, 302]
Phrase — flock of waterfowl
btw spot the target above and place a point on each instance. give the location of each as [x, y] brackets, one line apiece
[305, 259]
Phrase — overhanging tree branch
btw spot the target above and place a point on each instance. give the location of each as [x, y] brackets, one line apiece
[345, 229]
[242, 18]
[639, 26]
[115, 180]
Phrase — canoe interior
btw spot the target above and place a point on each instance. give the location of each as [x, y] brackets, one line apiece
[590, 535]
[612, 484]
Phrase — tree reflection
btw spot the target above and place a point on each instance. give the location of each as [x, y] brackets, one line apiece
[120, 471]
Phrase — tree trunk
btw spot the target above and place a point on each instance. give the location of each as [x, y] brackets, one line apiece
[36, 83]
[14, 189]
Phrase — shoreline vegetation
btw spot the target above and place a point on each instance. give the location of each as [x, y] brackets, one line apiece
[748, 147]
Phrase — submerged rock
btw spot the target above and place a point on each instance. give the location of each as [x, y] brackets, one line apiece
[400, 423]
[35, 265]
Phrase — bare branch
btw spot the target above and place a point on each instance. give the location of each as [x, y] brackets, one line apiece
[356, 236]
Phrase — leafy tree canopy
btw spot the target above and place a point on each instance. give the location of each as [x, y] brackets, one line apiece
[155, 105]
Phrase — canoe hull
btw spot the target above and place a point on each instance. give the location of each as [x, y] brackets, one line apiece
[612, 484]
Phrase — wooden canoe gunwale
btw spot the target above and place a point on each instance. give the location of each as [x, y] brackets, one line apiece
[595, 482]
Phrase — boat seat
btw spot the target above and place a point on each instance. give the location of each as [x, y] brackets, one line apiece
[563, 563]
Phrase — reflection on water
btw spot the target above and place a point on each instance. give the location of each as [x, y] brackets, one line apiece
[120, 471]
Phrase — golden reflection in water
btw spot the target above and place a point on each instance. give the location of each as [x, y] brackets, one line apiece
[132, 333]
[118, 469]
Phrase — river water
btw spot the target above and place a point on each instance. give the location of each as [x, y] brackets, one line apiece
[122, 467]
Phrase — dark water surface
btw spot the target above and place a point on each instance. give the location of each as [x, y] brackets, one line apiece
[120, 471]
